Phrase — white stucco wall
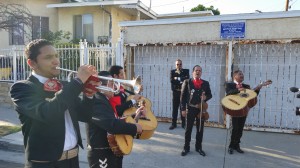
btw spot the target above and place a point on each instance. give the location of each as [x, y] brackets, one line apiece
[259, 27]
[118, 16]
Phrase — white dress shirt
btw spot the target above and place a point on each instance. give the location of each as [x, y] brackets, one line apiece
[70, 134]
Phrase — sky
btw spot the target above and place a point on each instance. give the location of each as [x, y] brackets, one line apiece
[224, 6]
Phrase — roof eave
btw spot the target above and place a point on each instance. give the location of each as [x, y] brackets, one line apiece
[215, 18]
[81, 4]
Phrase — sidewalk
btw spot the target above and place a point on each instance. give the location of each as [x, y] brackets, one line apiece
[262, 150]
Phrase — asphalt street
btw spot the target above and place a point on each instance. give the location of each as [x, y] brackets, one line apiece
[262, 149]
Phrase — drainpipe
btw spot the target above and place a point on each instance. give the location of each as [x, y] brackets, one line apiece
[110, 25]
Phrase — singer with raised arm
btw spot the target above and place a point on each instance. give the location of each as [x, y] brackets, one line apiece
[194, 91]
[177, 76]
[49, 109]
[238, 121]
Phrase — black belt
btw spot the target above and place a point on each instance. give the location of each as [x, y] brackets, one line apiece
[99, 148]
[194, 105]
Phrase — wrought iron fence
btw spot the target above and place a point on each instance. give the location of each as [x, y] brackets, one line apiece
[13, 66]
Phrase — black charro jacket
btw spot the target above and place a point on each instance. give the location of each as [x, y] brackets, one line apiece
[104, 121]
[125, 104]
[190, 95]
[175, 83]
[42, 115]
[230, 88]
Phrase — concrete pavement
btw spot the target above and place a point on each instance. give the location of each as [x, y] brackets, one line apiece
[262, 149]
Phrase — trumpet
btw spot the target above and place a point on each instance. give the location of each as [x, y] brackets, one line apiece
[135, 83]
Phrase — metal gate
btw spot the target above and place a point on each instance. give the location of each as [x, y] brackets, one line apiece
[275, 110]
[278, 62]
[154, 63]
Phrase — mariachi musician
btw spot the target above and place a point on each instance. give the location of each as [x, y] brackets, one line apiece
[177, 76]
[119, 101]
[105, 121]
[194, 91]
[238, 123]
[123, 104]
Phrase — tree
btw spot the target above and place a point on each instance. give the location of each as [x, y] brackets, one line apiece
[203, 8]
[14, 15]
[56, 37]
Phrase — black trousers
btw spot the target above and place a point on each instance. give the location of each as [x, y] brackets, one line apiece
[191, 117]
[98, 158]
[238, 124]
[176, 104]
[68, 163]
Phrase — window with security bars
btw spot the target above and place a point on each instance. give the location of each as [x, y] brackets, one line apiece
[40, 27]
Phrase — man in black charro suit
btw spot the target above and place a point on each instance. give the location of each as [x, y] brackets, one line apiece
[105, 121]
[177, 76]
[238, 123]
[117, 72]
[49, 110]
[193, 91]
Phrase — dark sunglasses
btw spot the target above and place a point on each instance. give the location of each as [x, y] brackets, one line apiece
[178, 64]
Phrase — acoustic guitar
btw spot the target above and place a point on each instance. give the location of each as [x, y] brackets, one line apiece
[122, 144]
[239, 104]
[148, 122]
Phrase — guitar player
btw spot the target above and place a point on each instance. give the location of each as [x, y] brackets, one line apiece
[104, 121]
[238, 122]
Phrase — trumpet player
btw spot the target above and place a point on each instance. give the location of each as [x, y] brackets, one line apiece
[105, 121]
[49, 110]
[178, 75]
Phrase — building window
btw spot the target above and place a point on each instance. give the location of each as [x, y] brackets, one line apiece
[16, 35]
[83, 27]
[40, 26]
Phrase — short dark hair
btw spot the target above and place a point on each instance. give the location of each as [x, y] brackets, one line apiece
[32, 49]
[115, 70]
[235, 72]
[105, 74]
[196, 66]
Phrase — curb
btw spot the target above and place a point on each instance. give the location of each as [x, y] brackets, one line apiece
[7, 128]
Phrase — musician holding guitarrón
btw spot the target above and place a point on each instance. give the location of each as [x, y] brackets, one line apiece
[238, 122]
[105, 121]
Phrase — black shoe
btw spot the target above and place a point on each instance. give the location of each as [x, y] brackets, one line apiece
[238, 149]
[172, 127]
[230, 151]
[201, 152]
[184, 152]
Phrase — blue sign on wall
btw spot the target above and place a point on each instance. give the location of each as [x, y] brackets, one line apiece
[231, 30]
